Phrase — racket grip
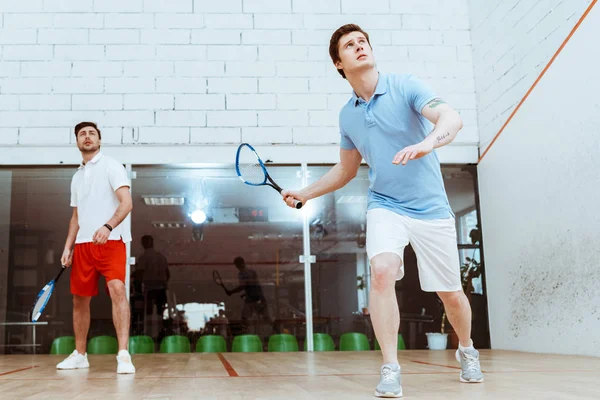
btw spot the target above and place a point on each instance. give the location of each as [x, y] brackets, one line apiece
[297, 204]
[63, 267]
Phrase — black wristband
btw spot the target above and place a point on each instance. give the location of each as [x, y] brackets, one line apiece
[110, 228]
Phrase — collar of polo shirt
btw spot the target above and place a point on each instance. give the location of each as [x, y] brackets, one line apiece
[380, 89]
[94, 160]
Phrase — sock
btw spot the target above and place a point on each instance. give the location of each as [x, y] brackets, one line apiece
[123, 353]
[466, 348]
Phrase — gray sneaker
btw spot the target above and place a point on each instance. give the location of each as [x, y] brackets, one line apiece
[469, 363]
[390, 383]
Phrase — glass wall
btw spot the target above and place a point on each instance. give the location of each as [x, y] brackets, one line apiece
[189, 225]
[341, 274]
[34, 217]
[208, 228]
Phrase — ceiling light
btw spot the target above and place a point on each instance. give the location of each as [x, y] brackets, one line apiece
[198, 216]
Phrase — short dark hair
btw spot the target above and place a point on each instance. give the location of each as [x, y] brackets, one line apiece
[82, 125]
[147, 242]
[239, 262]
[334, 51]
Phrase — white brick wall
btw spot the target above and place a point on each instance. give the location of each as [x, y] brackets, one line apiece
[200, 102]
[46, 102]
[512, 41]
[95, 68]
[212, 72]
[181, 85]
[9, 135]
[180, 118]
[231, 118]
[251, 101]
[152, 102]
[43, 135]
[233, 53]
[21, 21]
[116, 36]
[46, 69]
[264, 135]
[232, 85]
[97, 102]
[9, 103]
[150, 135]
[215, 135]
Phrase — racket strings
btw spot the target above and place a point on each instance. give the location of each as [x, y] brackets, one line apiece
[250, 169]
[217, 278]
[41, 301]
[252, 173]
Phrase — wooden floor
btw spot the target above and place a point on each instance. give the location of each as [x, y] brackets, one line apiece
[332, 375]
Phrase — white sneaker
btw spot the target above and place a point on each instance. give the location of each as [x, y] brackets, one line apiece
[124, 364]
[74, 361]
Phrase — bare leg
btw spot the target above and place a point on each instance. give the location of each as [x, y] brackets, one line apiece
[81, 321]
[120, 312]
[383, 305]
[458, 311]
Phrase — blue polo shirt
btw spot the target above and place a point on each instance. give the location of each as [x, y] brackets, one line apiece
[381, 127]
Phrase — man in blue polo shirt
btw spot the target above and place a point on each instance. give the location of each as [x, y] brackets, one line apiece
[388, 122]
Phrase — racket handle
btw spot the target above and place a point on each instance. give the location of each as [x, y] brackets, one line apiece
[63, 267]
[297, 204]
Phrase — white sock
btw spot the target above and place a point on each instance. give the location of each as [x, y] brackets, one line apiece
[466, 348]
[123, 353]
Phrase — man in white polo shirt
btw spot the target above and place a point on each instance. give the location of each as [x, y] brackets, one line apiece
[95, 244]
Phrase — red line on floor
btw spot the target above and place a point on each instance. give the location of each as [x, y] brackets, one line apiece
[227, 366]
[18, 370]
[437, 365]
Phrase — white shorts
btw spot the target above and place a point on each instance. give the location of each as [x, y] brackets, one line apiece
[434, 243]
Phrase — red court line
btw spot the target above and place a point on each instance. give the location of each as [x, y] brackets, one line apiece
[18, 370]
[437, 365]
[585, 14]
[227, 366]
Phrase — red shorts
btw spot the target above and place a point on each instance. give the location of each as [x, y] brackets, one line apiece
[92, 260]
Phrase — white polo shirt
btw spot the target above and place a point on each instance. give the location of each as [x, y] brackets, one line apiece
[93, 193]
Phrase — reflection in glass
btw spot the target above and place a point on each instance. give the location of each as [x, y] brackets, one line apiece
[34, 216]
[236, 270]
[178, 295]
[341, 275]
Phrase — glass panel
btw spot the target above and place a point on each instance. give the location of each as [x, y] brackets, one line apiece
[470, 262]
[34, 219]
[341, 275]
[200, 220]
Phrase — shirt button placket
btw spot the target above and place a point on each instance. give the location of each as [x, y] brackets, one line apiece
[369, 115]
[87, 181]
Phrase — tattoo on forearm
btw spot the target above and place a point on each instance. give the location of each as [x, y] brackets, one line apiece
[436, 102]
[442, 137]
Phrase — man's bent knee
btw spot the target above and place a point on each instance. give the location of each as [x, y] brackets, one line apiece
[384, 270]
